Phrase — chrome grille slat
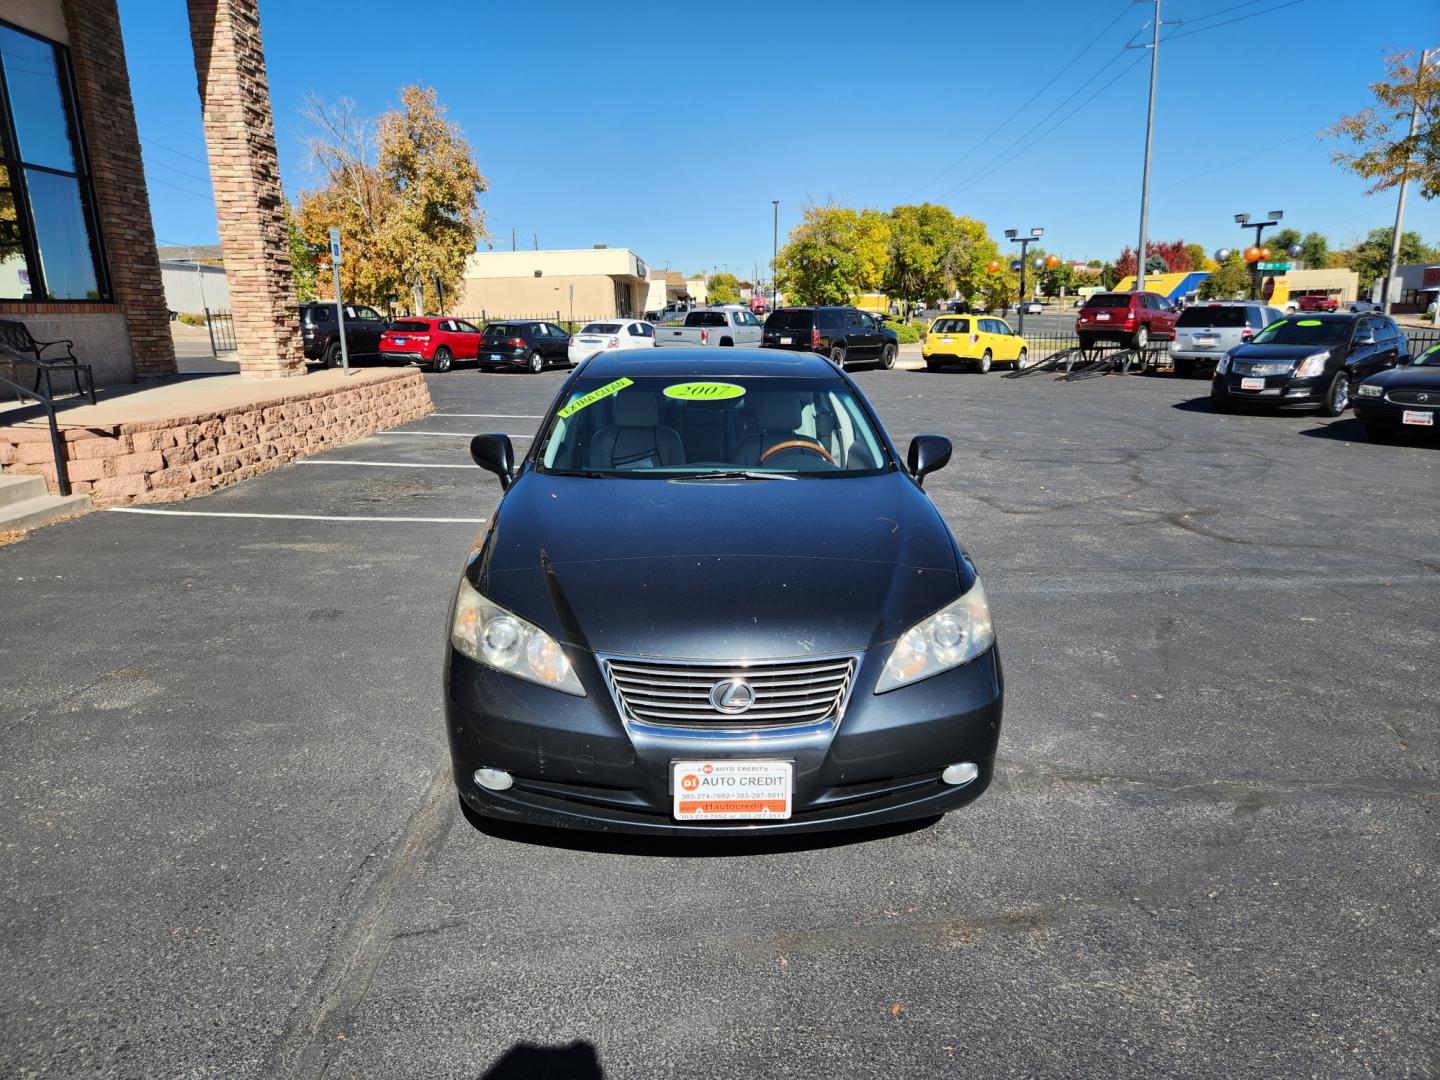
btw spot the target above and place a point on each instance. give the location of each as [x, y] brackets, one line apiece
[1412, 397]
[788, 693]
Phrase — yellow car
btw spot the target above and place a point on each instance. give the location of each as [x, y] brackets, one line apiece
[975, 340]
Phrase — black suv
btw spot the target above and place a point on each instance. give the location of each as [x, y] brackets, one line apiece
[320, 332]
[844, 334]
[1307, 359]
[523, 343]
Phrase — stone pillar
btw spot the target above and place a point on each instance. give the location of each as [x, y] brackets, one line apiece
[245, 171]
[102, 84]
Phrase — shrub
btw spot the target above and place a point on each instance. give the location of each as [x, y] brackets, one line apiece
[908, 333]
[189, 318]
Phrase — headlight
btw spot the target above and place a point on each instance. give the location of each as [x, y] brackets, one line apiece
[955, 634]
[1368, 390]
[1312, 366]
[487, 633]
[1223, 364]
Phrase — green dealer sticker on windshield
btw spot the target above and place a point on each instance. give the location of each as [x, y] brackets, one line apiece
[704, 391]
[594, 396]
[1309, 322]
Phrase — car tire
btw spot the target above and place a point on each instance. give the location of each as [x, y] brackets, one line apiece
[887, 357]
[1023, 360]
[1184, 369]
[1379, 432]
[983, 367]
[1337, 397]
[1220, 405]
[1141, 339]
[837, 356]
[331, 357]
[536, 364]
[442, 360]
[932, 365]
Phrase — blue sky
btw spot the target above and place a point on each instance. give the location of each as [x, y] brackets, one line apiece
[673, 137]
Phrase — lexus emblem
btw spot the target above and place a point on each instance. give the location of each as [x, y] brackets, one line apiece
[732, 696]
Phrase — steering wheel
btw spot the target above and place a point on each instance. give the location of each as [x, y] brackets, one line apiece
[797, 444]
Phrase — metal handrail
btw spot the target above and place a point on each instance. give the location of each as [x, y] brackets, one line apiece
[57, 444]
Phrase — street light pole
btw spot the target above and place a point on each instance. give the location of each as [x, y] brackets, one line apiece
[1404, 183]
[1149, 141]
[1243, 220]
[774, 255]
[1024, 242]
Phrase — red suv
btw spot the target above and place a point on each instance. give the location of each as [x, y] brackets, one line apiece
[1316, 303]
[430, 339]
[1129, 318]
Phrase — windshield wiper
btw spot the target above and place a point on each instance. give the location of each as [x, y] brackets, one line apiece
[735, 474]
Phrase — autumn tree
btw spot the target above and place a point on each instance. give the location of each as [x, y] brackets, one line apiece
[1229, 281]
[1162, 257]
[302, 258]
[1198, 259]
[819, 263]
[723, 289]
[404, 192]
[1385, 152]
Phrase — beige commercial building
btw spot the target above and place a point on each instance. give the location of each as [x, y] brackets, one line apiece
[583, 283]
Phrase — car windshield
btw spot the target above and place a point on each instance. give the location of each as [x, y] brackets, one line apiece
[601, 328]
[404, 327]
[1109, 300]
[1213, 316]
[1304, 332]
[1429, 358]
[950, 326]
[741, 426]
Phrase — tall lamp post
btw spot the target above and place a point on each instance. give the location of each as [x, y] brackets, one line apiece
[774, 254]
[1254, 253]
[1014, 236]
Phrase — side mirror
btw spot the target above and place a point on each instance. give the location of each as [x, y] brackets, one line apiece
[1404, 360]
[493, 453]
[927, 454]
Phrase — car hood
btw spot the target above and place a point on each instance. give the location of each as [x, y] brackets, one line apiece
[715, 569]
[1283, 352]
[1408, 378]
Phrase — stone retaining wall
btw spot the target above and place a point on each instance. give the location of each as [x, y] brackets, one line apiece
[153, 461]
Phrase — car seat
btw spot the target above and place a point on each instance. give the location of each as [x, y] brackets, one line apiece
[636, 440]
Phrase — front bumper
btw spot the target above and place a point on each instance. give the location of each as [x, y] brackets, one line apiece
[577, 765]
[1278, 389]
[1377, 410]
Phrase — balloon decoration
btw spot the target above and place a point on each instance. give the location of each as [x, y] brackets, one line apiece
[1039, 263]
[993, 266]
[1264, 253]
[1294, 251]
[1253, 255]
[1052, 261]
[1015, 266]
[1222, 254]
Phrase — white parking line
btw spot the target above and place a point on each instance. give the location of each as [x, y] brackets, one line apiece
[291, 517]
[446, 434]
[381, 464]
[490, 415]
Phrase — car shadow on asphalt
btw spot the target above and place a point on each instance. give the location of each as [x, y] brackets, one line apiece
[1196, 404]
[526, 1061]
[1352, 430]
[690, 847]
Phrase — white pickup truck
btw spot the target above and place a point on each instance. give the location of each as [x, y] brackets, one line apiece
[730, 324]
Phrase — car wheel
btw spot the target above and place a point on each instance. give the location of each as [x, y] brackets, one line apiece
[1142, 338]
[331, 359]
[1379, 432]
[1220, 405]
[1184, 369]
[1023, 361]
[442, 359]
[536, 363]
[1337, 398]
[983, 367]
[887, 357]
[837, 356]
[932, 365]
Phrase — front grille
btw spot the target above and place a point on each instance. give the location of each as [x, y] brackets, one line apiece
[676, 693]
[1267, 367]
[1429, 399]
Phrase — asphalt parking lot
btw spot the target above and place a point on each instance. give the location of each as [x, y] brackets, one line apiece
[232, 848]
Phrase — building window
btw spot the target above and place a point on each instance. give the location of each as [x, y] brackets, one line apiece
[49, 243]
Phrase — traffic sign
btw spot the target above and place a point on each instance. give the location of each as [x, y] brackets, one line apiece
[335, 246]
[1281, 266]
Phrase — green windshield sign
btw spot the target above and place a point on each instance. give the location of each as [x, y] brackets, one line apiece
[594, 396]
[704, 391]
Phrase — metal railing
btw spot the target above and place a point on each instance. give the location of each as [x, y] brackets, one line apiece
[221, 325]
[46, 399]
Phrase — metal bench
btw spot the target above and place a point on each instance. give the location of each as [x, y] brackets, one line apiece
[19, 346]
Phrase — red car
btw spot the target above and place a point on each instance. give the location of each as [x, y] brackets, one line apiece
[433, 340]
[1316, 303]
[1129, 318]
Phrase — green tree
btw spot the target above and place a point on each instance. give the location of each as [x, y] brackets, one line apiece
[1198, 259]
[302, 258]
[723, 289]
[1370, 258]
[1386, 152]
[1315, 251]
[1230, 281]
[819, 262]
[872, 250]
[1281, 241]
[1109, 276]
[1055, 278]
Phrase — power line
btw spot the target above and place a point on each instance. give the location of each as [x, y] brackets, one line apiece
[208, 197]
[149, 162]
[1227, 22]
[171, 149]
[1033, 97]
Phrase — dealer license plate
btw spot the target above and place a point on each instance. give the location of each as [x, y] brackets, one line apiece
[400, 340]
[494, 356]
[945, 340]
[1252, 384]
[732, 790]
[1416, 416]
[787, 341]
[1102, 318]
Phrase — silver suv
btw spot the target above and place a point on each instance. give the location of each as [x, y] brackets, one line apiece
[1208, 329]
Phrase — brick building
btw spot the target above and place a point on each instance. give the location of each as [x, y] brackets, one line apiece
[77, 246]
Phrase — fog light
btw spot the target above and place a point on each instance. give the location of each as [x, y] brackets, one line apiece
[955, 775]
[500, 780]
